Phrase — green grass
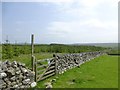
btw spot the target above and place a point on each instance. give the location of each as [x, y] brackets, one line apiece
[26, 58]
[101, 72]
[0, 48]
[0, 52]
[114, 52]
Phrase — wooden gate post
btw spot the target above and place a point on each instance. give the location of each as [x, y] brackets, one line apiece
[55, 63]
[35, 70]
[55, 66]
[32, 52]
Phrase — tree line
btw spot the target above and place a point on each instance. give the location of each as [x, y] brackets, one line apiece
[11, 50]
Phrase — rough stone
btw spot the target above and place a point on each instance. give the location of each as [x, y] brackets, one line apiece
[33, 84]
[15, 75]
[69, 61]
[18, 72]
[13, 78]
[15, 86]
[48, 85]
[23, 70]
[26, 81]
[3, 75]
[53, 81]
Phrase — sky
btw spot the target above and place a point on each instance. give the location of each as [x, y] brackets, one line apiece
[0, 22]
[60, 21]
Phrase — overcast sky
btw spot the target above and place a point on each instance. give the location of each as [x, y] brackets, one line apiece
[61, 21]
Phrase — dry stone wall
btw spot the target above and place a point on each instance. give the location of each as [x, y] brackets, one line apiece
[68, 61]
[15, 75]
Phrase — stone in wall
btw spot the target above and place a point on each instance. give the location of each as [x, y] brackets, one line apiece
[15, 75]
[69, 61]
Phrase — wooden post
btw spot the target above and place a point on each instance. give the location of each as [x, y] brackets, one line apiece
[35, 70]
[32, 52]
[55, 63]
[55, 66]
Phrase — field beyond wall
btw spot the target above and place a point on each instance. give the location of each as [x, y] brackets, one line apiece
[101, 72]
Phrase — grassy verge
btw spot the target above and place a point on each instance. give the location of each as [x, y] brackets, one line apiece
[101, 72]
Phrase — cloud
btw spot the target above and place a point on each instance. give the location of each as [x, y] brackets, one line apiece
[0, 26]
[88, 31]
[51, 1]
[68, 27]
[80, 20]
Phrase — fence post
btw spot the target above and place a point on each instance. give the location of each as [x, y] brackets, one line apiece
[55, 63]
[32, 52]
[35, 70]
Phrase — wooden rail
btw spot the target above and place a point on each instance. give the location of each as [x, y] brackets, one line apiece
[44, 71]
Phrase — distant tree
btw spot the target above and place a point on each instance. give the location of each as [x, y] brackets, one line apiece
[16, 50]
[7, 51]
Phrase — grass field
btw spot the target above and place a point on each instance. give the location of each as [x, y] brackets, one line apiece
[101, 72]
[26, 58]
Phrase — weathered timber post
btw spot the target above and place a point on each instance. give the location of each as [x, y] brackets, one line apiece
[32, 52]
[35, 70]
[55, 63]
[33, 59]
